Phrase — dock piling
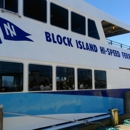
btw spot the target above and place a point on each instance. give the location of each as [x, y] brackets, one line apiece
[114, 117]
[127, 102]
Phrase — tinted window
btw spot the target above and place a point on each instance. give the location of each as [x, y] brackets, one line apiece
[64, 78]
[59, 16]
[78, 23]
[11, 77]
[1, 3]
[100, 79]
[92, 29]
[36, 9]
[11, 5]
[84, 79]
[40, 77]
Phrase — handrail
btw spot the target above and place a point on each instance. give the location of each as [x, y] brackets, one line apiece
[118, 44]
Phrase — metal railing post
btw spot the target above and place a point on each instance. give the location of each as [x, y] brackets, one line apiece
[118, 44]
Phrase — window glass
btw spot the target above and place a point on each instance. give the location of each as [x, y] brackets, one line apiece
[40, 77]
[11, 5]
[11, 77]
[36, 9]
[84, 79]
[1, 3]
[100, 79]
[64, 78]
[59, 16]
[78, 23]
[92, 29]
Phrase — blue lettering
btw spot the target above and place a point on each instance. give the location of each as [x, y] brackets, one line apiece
[59, 39]
[116, 53]
[93, 47]
[69, 42]
[125, 55]
[0, 41]
[78, 43]
[64, 38]
[109, 51]
[87, 46]
[53, 38]
[48, 36]
[128, 56]
[83, 46]
[102, 49]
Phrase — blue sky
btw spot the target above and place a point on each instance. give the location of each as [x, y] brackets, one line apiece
[120, 9]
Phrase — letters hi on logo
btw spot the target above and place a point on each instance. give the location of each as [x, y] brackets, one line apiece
[12, 32]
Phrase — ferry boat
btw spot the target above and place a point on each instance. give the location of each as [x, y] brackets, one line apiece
[57, 67]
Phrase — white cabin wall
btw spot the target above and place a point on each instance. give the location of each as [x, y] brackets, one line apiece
[25, 75]
[42, 51]
[90, 10]
[20, 7]
[80, 8]
[118, 79]
[128, 78]
[100, 32]
[39, 49]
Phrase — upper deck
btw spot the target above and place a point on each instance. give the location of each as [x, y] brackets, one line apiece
[111, 25]
[58, 34]
[59, 26]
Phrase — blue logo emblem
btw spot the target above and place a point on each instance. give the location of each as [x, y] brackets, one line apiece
[12, 32]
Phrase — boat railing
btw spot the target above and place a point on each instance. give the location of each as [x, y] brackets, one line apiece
[118, 44]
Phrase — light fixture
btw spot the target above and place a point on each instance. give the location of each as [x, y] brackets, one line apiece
[113, 27]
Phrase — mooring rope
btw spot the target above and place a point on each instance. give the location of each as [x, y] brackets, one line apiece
[126, 122]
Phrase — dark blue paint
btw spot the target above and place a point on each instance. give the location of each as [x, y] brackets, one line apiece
[58, 39]
[125, 55]
[12, 32]
[110, 52]
[114, 93]
[86, 46]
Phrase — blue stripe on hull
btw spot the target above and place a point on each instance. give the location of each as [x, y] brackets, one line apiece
[56, 103]
[114, 93]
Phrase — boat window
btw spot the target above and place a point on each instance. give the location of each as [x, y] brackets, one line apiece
[64, 78]
[92, 29]
[1, 3]
[100, 79]
[11, 5]
[11, 77]
[59, 16]
[78, 23]
[36, 9]
[84, 79]
[40, 77]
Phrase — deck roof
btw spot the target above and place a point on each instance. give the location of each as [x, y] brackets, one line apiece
[112, 29]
